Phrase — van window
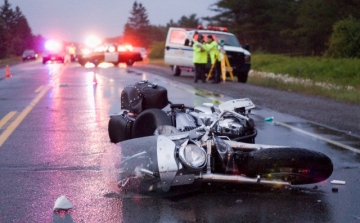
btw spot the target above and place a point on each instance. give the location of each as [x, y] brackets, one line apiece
[178, 37]
[230, 40]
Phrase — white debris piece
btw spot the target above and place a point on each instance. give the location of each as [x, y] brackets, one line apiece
[338, 182]
[62, 203]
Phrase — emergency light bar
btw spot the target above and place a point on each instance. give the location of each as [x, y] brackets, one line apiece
[214, 28]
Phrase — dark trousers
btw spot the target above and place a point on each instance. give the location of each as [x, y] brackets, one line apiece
[200, 72]
[217, 72]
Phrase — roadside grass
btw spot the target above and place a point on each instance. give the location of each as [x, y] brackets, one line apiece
[337, 79]
[157, 62]
[10, 61]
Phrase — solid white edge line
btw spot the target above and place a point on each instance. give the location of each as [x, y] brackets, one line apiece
[319, 137]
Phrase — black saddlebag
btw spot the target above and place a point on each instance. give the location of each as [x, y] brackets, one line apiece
[120, 127]
[143, 95]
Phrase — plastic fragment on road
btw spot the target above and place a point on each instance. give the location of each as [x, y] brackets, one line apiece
[269, 119]
[62, 203]
[337, 182]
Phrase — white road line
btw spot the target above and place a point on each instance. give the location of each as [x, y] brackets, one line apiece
[319, 137]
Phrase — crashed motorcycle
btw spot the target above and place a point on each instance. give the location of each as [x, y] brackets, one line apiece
[166, 163]
[142, 113]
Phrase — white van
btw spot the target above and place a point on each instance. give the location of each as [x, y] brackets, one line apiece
[179, 53]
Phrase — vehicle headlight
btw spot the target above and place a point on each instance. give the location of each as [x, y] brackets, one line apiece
[192, 156]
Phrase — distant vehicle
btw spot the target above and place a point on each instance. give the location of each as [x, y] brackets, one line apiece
[179, 53]
[111, 53]
[29, 55]
[142, 51]
[54, 51]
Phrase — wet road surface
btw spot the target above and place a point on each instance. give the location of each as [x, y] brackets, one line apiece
[57, 144]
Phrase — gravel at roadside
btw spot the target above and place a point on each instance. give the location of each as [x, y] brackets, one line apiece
[332, 114]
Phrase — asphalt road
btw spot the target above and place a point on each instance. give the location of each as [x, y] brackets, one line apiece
[343, 117]
[56, 143]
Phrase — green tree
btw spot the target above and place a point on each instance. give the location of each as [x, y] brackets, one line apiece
[190, 22]
[345, 38]
[315, 19]
[2, 40]
[15, 35]
[263, 24]
[137, 28]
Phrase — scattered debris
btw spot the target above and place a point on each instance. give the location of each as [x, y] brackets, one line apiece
[269, 119]
[338, 182]
[334, 189]
[62, 203]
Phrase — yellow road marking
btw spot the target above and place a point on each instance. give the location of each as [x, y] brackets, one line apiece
[39, 89]
[21, 117]
[320, 137]
[7, 118]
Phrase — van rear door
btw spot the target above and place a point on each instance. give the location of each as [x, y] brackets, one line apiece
[176, 51]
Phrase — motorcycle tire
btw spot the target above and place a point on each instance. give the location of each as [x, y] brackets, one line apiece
[294, 165]
[148, 121]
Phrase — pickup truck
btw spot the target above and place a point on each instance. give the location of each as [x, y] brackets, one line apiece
[110, 53]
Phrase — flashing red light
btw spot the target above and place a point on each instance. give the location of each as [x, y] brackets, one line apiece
[53, 45]
[214, 28]
[126, 47]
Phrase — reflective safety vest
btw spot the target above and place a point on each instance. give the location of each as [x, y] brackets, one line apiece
[200, 53]
[213, 50]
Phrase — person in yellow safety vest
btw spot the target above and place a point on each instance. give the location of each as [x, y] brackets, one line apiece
[212, 47]
[199, 59]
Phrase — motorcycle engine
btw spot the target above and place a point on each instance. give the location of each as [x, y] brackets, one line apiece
[230, 127]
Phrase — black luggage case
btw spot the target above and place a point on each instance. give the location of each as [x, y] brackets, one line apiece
[143, 95]
[120, 127]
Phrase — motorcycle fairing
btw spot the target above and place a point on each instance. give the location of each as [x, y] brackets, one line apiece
[166, 161]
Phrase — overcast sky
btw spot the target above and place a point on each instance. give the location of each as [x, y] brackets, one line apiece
[74, 20]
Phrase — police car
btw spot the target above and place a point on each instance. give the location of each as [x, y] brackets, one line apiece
[179, 53]
[110, 53]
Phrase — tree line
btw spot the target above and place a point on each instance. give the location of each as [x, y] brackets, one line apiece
[15, 33]
[304, 27]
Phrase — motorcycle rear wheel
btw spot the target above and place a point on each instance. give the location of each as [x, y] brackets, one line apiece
[294, 165]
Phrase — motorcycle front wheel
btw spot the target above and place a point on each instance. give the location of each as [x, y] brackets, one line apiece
[294, 165]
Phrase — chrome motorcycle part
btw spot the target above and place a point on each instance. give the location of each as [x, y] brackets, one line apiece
[232, 105]
[185, 122]
[192, 156]
[183, 179]
[240, 179]
[230, 127]
[166, 161]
